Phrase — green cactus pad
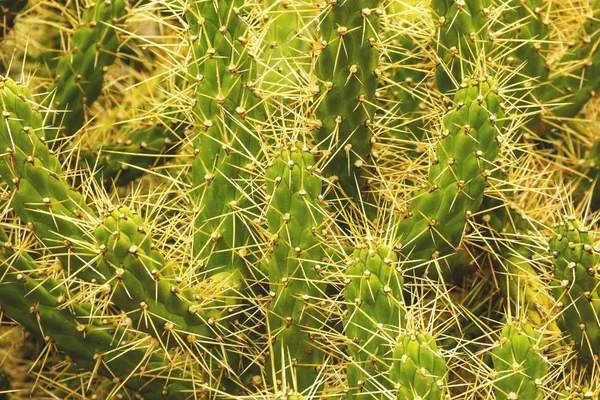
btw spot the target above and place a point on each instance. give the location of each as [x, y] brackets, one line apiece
[577, 286]
[418, 370]
[38, 305]
[40, 195]
[347, 71]
[295, 217]
[375, 313]
[519, 364]
[576, 79]
[461, 37]
[471, 133]
[220, 72]
[80, 72]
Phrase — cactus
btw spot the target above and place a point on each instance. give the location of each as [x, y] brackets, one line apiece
[80, 71]
[374, 297]
[75, 332]
[462, 32]
[417, 357]
[575, 80]
[576, 287]
[328, 173]
[519, 366]
[437, 215]
[295, 218]
[346, 68]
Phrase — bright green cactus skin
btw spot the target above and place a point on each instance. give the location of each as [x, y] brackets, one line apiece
[80, 72]
[577, 286]
[284, 51]
[294, 216]
[38, 307]
[375, 309]
[519, 363]
[467, 150]
[527, 46]
[40, 196]
[407, 72]
[418, 371]
[220, 73]
[347, 73]
[460, 37]
[577, 78]
[9, 9]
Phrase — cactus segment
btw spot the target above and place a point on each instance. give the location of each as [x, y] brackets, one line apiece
[80, 72]
[9, 9]
[295, 217]
[151, 287]
[40, 196]
[38, 305]
[284, 47]
[577, 286]
[460, 38]
[577, 77]
[225, 148]
[375, 307]
[467, 151]
[347, 71]
[407, 71]
[418, 370]
[519, 363]
[525, 47]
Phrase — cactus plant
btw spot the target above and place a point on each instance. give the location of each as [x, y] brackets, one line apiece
[321, 176]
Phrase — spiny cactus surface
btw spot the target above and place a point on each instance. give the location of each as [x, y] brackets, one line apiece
[297, 199]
